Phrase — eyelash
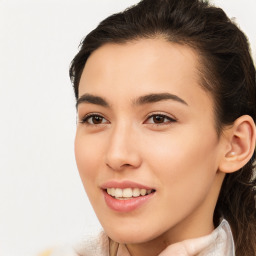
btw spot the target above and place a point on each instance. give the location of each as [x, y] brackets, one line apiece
[86, 118]
[161, 115]
[92, 115]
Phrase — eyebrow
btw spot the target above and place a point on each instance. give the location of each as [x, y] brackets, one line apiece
[92, 99]
[156, 97]
[146, 99]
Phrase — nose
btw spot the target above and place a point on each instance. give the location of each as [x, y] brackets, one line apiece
[122, 151]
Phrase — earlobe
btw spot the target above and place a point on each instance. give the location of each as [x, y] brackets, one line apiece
[239, 145]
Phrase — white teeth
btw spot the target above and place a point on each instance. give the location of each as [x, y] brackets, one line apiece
[112, 192]
[143, 192]
[118, 192]
[136, 192]
[128, 192]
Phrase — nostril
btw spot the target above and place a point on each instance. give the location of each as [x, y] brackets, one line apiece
[126, 165]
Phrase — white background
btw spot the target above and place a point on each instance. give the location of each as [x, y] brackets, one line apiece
[42, 202]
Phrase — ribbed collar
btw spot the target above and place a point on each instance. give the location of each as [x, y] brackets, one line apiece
[218, 243]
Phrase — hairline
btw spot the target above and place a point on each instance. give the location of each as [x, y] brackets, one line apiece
[201, 59]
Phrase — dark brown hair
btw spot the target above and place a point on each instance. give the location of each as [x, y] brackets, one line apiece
[227, 72]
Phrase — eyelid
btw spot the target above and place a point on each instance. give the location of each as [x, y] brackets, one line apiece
[170, 118]
[84, 119]
[167, 116]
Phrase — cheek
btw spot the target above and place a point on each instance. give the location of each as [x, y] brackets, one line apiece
[184, 164]
[87, 158]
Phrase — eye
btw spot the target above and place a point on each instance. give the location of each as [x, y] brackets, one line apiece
[159, 119]
[94, 119]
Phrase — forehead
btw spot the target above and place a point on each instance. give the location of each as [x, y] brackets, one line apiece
[143, 66]
[141, 55]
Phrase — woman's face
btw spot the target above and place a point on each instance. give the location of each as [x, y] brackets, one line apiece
[146, 145]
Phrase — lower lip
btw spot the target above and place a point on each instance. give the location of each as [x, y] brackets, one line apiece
[126, 205]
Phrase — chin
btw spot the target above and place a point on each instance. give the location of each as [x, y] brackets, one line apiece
[131, 235]
[129, 239]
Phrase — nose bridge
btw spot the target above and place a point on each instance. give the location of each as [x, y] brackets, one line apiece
[121, 149]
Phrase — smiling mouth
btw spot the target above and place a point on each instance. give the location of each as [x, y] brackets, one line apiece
[128, 193]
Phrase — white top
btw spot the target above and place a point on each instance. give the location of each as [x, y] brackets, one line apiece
[218, 243]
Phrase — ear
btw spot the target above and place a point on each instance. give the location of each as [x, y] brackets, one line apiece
[239, 144]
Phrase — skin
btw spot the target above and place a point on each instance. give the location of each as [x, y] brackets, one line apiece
[180, 159]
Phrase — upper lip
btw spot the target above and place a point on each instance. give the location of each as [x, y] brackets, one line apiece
[124, 184]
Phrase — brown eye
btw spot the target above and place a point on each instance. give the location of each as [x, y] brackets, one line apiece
[94, 120]
[159, 119]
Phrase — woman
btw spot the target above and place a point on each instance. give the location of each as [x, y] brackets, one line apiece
[165, 137]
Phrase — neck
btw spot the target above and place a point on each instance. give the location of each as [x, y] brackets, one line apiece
[194, 226]
[198, 224]
[182, 231]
